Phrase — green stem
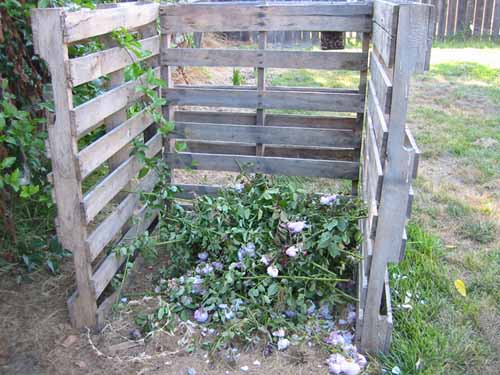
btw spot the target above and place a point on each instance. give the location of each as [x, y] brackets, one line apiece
[306, 278]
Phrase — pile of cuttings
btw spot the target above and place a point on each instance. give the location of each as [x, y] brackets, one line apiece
[263, 262]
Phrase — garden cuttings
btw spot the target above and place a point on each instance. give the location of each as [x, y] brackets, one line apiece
[263, 261]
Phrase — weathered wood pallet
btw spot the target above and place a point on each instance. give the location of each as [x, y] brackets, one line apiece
[368, 142]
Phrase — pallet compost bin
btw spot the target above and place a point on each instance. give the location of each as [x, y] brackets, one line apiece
[368, 143]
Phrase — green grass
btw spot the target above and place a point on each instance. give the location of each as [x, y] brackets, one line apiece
[438, 334]
[460, 42]
[314, 78]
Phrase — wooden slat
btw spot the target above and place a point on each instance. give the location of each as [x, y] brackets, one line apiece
[89, 115]
[181, 18]
[495, 30]
[381, 82]
[89, 67]
[108, 268]
[415, 159]
[264, 59]
[377, 118]
[189, 191]
[478, 17]
[113, 224]
[267, 165]
[385, 14]
[85, 23]
[241, 118]
[313, 101]
[95, 200]
[101, 150]
[303, 152]
[374, 166]
[266, 135]
[385, 44]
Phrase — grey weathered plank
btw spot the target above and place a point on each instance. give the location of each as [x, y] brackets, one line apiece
[108, 268]
[385, 14]
[71, 228]
[189, 191]
[267, 165]
[415, 158]
[85, 23]
[89, 115]
[104, 234]
[378, 120]
[95, 200]
[384, 44]
[261, 87]
[303, 152]
[264, 58]
[180, 18]
[89, 67]
[101, 150]
[375, 167]
[266, 135]
[298, 100]
[381, 82]
[242, 118]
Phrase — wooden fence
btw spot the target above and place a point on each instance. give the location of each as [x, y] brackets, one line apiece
[92, 183]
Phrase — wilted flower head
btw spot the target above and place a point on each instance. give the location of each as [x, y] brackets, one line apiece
[335, 338]
[186, 300]
[265, 260]
[218, 265]
[246, 250]
[290, 314]
[203, 256]
[324, 311]
[292, 251]
[296, 226]
[201, 315]
[328, 200]
[207, 269]
[311, 309]
[279, 333]
[238, 187]
[361, 360]
[283, 344]
[272, 271]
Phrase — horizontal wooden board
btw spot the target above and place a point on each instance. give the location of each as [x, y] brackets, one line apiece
[91, 114]
[266, 135]
[412, 144]
[378, 120]
[226, 148]
[89, 67]
[264, 58]
[313, 101]
[384, 44]
[181, 18]
[109, 144]
[85, 23]
[95, 200]
[189, 191]
[242, 118]
[374, 165]
[113, 224]
[267, 165]
[379, 76]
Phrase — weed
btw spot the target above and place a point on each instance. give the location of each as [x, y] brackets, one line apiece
[480, 231]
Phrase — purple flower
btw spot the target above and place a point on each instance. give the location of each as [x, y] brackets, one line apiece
[311, 309]
[324, 311]
[328, 200]
[272, 271]
[207, 269]
[335, 338]
[203, 256]
[292, 251]
[351, 317]
[248, 249]
[218, 265]
[361, 360]
[265, 260]
[198, 285]
[290, 314]
[201, 315]
[283, 344]
[296, 226]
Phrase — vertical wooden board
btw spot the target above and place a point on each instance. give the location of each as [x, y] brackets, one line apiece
[378, 121]
[382, 84]
[385, 14]
[71, 227]
[469, 17]
[478, 18]
[384, 44]
[488, 19]
[452, 13]
[495, 30]
[442, 19]
[261, 87]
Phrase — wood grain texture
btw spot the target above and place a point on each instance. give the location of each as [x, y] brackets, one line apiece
[101, 150]
[85, 23]
[71, 227]
[382, 84]
[267, 165]
[95, 200]
[91, 114]
[385, 44]
[298, 100]
[329, 60]
[266, 135]
[179, 18]
[378, 121]
[92, 66]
